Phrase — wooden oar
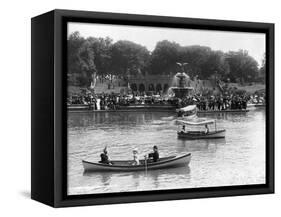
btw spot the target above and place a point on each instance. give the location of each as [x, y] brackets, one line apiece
[145, 163]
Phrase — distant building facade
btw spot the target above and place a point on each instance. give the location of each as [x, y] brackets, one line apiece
[154, 83]
[150, 83]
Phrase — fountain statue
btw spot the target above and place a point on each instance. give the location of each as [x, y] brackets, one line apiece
[181, 79]
[94, 81]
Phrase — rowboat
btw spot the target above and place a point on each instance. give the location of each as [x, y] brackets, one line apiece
[213, 134]
[126, 166]
[202, 135]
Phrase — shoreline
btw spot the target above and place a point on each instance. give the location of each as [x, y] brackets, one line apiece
[154, 110]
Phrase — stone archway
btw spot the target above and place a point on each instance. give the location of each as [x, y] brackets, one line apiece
[158, 88]
[166, 87]
[141, 88]
[134, 87]
[151, 87]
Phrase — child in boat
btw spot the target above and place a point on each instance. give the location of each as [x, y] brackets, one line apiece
[135, 157]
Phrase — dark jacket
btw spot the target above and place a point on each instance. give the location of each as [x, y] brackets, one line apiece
[154, 156]
[104, 158]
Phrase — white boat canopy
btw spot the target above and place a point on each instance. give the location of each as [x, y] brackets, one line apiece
[187, 108]
[197, 122]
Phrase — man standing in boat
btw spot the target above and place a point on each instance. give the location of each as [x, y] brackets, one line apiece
[206, 129]
[183, 129]
[155, 154]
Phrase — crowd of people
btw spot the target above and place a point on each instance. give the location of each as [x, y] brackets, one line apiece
[222, 102]
[203, 102]
[115, 101]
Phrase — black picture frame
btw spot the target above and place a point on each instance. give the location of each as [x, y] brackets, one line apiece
[49, 112]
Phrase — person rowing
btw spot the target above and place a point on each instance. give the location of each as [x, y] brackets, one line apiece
[154, 155]
[183, 129]
[104, 157]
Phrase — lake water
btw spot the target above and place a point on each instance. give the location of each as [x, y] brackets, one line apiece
[238, 159]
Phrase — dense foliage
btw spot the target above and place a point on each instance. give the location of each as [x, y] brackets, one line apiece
[100, 56]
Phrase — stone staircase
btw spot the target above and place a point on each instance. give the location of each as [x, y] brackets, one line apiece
[204, 85]
[106, 86]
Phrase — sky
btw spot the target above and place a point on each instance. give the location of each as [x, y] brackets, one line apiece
[225, 41]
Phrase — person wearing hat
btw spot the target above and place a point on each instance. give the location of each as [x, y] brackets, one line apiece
[104, 157]
[135, 157]
[155, 154]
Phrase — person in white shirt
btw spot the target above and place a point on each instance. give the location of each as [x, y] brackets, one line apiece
[135, 157]
[206, 129]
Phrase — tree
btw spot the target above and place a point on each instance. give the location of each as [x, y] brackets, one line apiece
[164, 57]
[86, 63]
[215, 64]
[74, 44]
[80, 60]
[196, 56]
[242, 66]
[263, 68]
[102, 50]
[202, 61]
[128, 58]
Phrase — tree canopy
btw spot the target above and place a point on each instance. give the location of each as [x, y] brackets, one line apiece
[263, 68]
[242, 66]
[128, 58]
[164, 57]
[88, 56]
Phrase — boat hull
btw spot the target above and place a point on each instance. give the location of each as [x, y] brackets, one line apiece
[169, 162]
[191, 135]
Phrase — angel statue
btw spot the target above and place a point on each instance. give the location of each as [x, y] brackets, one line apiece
[94, 80]
[181, 65]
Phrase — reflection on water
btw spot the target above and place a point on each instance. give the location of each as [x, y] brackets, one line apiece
[237, 159]
[153, 177]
